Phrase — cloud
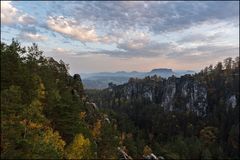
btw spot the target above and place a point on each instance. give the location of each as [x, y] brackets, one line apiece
[129, 50]
[129, 29]
[8, 12]
[73, 29]
[201, 53]
[204, 53]
[11, 15]
[26, 19]
[199, 37]
[29, 29]
[59, 50]
[133, 40]
[32, 37]
[147, 50]
[176, 16]
[69, 27]
[157, 17]
[115, 20]
[64, 51]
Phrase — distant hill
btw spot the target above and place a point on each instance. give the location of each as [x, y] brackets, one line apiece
[100, 80]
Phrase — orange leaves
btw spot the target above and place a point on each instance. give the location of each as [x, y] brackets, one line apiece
[31, 125]
[34, 125]
[82, 115]
[147, 150]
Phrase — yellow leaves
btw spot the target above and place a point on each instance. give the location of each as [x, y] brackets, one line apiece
[41, 91]
[79, 149]
[37, 133]
[40, 88]
[82, 115]
[147, 150]
[53, 138]
[97, 129]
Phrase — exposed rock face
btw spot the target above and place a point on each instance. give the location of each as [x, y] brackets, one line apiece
[168, 94]
[77, 77]
[173, 94]
[77, 86]
[232, 101]
[94, 106]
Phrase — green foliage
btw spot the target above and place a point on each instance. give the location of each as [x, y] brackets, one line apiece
[45, 113]
[40, 109]
[108, 143]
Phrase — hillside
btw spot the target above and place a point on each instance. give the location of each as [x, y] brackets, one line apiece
[47, 114]
[44, 111]
[179, 117]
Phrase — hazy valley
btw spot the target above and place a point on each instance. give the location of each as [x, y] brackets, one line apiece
[102, 79]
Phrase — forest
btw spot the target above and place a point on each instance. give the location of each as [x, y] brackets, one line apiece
[46, 113]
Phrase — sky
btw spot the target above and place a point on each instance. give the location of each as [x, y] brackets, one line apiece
[95, 36]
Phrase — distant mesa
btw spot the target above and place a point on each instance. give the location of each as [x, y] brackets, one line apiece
[121, 72]
[161, 70]
[134, 72]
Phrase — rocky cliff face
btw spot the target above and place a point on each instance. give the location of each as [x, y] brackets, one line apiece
[173, 94]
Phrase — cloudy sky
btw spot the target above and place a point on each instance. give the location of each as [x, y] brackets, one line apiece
[115, 36]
